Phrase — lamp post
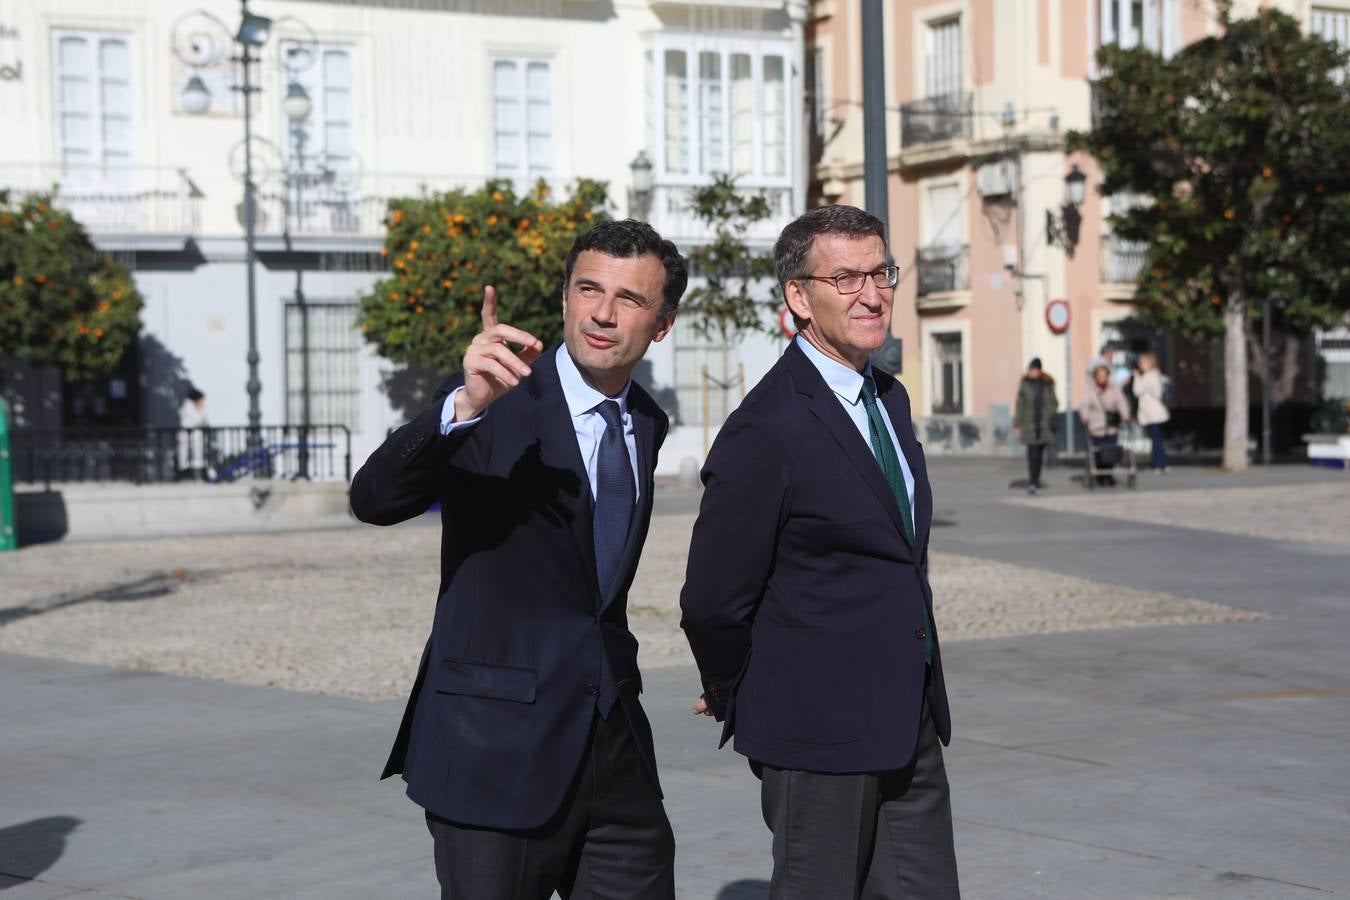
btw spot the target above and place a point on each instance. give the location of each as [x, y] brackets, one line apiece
[297, 106]
[199, 46]
[1064, 229]
[640, 194]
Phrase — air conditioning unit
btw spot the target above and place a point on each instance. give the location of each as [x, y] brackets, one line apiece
[995, 179]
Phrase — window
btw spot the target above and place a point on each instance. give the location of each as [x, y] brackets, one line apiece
[522, 117]
[942, 58]
[334, 344]
[817, 95]
[328, 133]
[695, 354]
[946, 216]
[1153, 24]
[948, 374]
[723, 107]
[94, 103]
[1332, 24]
[1334, 349]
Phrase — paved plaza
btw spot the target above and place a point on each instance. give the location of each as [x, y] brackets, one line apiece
[1150, 692]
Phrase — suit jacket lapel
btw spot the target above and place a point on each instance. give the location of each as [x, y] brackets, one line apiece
[824, 405]
[552, 425]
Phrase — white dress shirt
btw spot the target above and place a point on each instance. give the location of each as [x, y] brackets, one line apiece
[847, 385]
[582, 403]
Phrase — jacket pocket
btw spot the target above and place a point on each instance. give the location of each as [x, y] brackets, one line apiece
[474, 679]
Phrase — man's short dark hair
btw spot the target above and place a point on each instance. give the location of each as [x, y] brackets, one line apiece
[194, 395]
[629, 238]
[792, 252]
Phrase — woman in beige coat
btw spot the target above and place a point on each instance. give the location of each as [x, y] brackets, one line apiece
[1149, 389]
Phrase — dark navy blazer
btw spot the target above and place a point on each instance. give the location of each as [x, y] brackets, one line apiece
[804, 601]
[502, 706]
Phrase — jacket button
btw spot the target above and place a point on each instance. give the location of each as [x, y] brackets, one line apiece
[920, 633]
[593, 689]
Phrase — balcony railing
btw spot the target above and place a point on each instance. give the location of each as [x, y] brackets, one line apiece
[336, 204]
[936, 119]
[673, 216]
[943, 268]
[148, 455]
[1122, 261]
[114, 199]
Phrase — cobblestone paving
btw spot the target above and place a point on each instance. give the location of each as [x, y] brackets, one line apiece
[1316, 513]
[346, 611]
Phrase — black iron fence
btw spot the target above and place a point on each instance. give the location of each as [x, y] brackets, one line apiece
[149, 455]
[942, 268]
[934, 119]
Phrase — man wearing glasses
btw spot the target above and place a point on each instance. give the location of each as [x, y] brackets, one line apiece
[806, 601]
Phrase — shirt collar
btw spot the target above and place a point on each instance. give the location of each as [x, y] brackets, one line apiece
[844, 380]
[581, 397]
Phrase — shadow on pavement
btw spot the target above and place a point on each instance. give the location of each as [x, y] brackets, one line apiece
[146, 588]
[31, 848]
[745, 889]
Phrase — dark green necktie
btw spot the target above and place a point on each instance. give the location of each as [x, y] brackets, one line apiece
[884, 450]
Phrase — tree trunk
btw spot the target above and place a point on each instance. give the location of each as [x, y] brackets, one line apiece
[1236, 406]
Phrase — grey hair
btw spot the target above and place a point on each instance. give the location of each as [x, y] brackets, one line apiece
[792, 251]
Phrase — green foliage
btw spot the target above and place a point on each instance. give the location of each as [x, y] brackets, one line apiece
[731, 302]
[444, 248]
[61, 303]
[1239, 146]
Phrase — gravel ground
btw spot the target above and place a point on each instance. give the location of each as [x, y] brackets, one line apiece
[347, 611]
[1317, 513]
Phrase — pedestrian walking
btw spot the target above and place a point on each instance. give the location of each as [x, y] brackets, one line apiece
[1153, 391]
[1034, 419]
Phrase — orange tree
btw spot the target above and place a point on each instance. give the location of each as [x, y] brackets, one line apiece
[442, 250]
[62, 303]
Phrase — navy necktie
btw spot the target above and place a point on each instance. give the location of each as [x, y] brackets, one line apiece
[615, 496]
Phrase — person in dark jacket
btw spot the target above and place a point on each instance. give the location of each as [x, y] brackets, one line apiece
[524, 739]
[1034, 418]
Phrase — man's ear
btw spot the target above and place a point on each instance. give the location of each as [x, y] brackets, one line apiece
[797, 300]
[664, 328]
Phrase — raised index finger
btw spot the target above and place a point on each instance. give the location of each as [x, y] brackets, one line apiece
[489, 306]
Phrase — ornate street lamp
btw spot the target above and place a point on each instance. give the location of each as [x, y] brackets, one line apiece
[640, 194]
[198, 46]
[1064, 229]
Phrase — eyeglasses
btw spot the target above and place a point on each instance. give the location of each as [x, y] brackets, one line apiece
[852, 282]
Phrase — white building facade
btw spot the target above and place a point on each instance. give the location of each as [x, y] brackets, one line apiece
[104, 102]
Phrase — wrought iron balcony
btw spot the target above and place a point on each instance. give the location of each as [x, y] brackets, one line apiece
[936, 119]
[121, 200]
[1122, 261]
[943, 268]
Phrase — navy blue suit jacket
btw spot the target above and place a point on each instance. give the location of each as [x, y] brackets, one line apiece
[502, 706]
[804, 601]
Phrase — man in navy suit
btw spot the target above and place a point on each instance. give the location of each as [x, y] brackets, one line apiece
[523, 739]
[807, 602]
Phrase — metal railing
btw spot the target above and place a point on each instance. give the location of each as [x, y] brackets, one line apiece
[155, 455]
[114, 199]
[936, 119]
[1122, 261]
[942, 268]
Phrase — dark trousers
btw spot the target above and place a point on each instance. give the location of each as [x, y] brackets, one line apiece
[871, 835]
[1155, 434]
[1035, 456]
[610, 839]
